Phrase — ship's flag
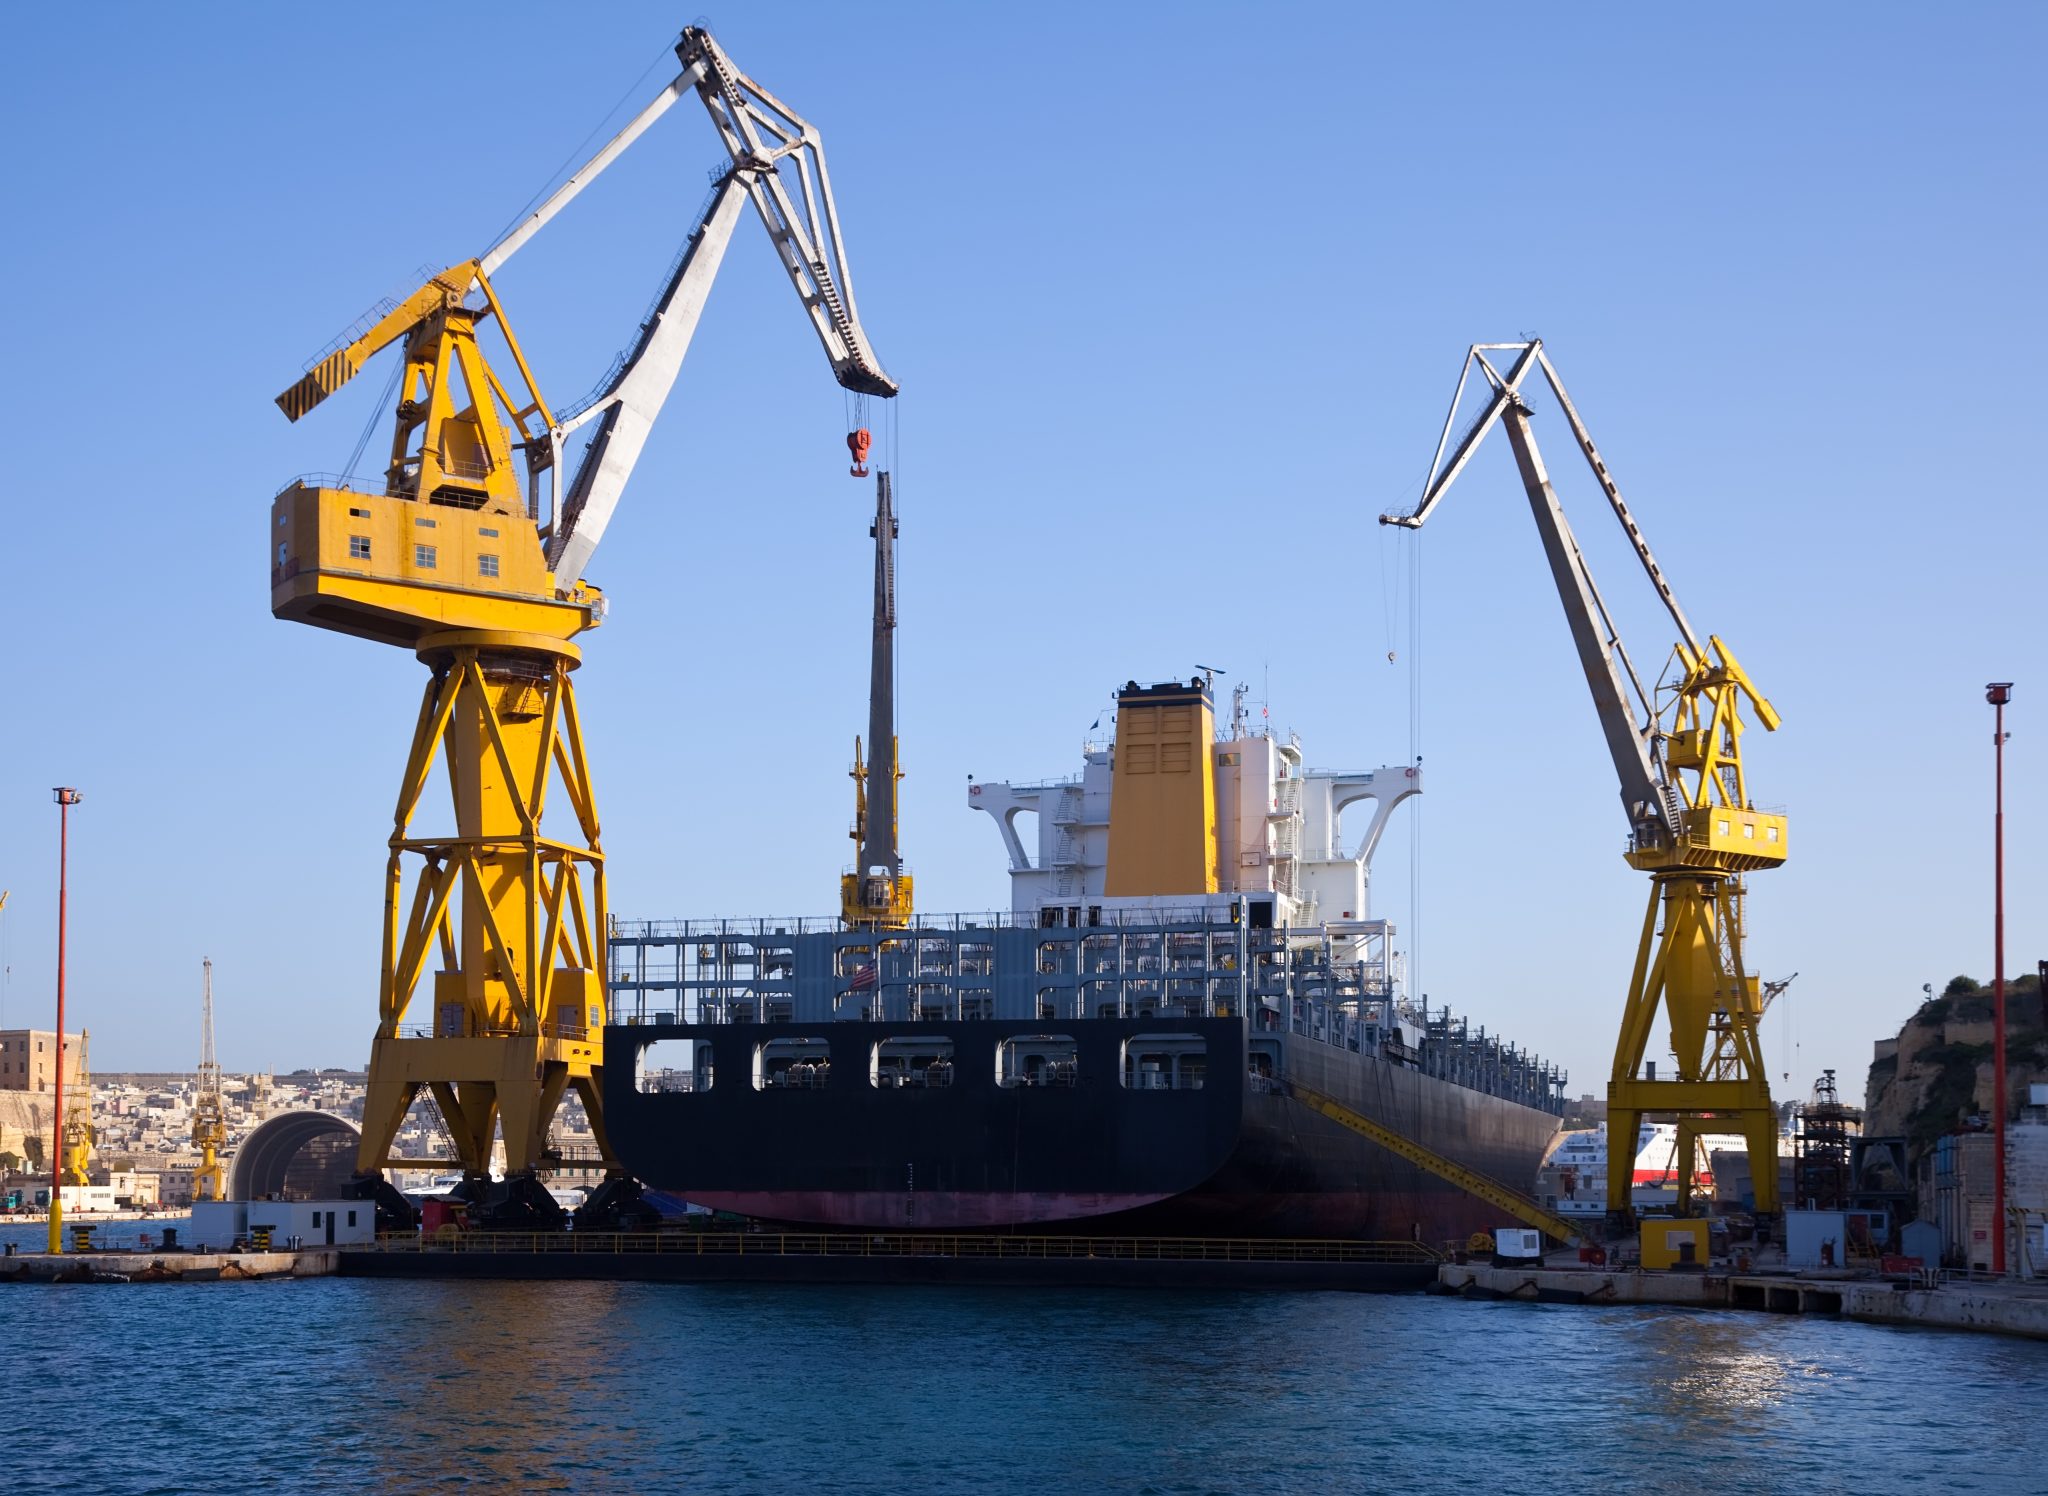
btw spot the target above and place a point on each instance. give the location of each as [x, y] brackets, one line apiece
[864, 978]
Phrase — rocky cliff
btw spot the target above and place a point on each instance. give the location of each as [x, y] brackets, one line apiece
[1940, 1071]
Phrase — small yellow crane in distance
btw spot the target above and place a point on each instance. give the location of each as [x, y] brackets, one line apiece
[448, 558]
[1692, 824]
[209, 1117]
[78, 1132]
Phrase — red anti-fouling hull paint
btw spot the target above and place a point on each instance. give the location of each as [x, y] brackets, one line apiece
[877, 1210]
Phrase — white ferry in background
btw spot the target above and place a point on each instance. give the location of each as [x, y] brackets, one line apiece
[444, 1187]
[1573, 1178]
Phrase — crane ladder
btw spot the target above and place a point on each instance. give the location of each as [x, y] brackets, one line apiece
[1471, 1181]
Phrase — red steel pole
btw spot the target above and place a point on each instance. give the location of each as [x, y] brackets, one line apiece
[66, 798]
[1998, 693]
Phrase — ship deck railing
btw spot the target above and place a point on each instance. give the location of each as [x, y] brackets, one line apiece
[910, 1244]
[1163, 917]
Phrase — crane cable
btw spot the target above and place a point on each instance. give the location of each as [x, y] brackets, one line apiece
[576, 152]
[380, 409]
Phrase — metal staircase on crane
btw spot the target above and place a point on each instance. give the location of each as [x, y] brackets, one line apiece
[1500, 1196]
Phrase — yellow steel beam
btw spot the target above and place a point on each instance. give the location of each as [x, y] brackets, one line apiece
[339, 367]
[1690, 1097]
[1471, 1181]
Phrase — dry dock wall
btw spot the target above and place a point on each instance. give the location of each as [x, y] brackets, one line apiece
[166, 1267]
[2005, 1309]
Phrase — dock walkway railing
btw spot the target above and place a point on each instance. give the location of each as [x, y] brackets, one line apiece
[849, 1244]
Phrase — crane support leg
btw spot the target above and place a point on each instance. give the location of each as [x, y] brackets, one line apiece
[518, 1000]
[1690, 967]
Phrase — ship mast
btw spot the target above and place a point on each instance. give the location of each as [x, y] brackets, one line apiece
[876, 894]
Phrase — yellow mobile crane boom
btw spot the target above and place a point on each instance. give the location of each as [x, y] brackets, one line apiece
[876, 895]
[472, 557]
[1692, 824]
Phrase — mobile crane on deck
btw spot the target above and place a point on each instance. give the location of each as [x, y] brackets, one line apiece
[876, 895]
[484, 582]
[1692, 825]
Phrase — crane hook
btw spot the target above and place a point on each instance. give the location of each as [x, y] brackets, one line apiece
[858, 442]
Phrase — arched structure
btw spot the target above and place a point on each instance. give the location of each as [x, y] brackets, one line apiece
[296, 1155]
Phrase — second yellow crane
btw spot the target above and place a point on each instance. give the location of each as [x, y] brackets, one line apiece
[1693, 826]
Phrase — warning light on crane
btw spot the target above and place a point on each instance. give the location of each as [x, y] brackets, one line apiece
[858, 442]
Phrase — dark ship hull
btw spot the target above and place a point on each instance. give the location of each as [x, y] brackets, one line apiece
[1091, 1149]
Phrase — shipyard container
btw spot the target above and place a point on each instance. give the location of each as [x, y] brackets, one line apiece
[1517, 1244]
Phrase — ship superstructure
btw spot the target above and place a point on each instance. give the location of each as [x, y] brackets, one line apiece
[1275, 832]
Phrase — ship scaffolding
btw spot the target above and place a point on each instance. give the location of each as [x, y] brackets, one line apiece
[1208, 960]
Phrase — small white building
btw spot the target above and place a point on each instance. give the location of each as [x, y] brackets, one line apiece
[315, 1223]
[79, 1199]
[218, 1224]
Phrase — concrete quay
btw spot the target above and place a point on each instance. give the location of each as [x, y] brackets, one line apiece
[166, 1267]
[1997, 1308]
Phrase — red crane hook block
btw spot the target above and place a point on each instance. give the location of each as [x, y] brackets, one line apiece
[858, 442]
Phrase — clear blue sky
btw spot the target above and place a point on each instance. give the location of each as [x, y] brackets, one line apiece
[1177, 296]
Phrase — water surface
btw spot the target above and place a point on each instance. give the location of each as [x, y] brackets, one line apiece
[334, 1384]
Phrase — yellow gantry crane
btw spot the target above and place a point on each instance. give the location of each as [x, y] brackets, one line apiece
[1693, 826]
[470, 552]
[209, 1116]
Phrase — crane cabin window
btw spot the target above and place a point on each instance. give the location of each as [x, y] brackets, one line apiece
[486, 566]
[423, 557]
[359, 547]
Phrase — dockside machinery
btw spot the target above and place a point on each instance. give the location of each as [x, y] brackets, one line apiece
[1692, 825]
[470, 550]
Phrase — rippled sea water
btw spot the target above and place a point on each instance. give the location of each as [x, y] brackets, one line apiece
[334, 1384]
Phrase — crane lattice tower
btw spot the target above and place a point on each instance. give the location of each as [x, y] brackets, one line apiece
[209, 1116]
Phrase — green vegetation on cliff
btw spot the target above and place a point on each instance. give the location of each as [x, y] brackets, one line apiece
[1940, 1070]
